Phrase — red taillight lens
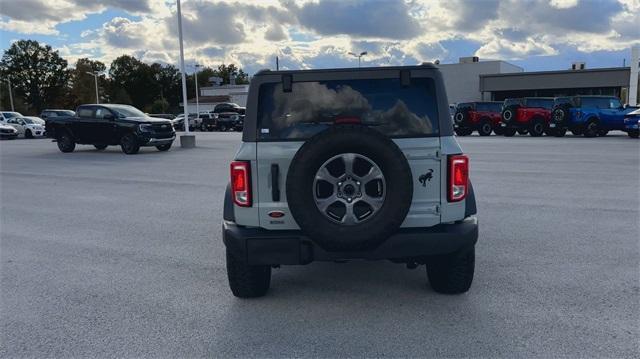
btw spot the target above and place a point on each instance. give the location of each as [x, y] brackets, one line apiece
[241, 183]
[458, 177]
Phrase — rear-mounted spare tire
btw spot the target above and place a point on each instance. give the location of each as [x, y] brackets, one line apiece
[349, 188]
[461, 117]
[509, 113]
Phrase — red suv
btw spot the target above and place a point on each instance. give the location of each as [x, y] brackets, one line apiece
[481, 116]
[531, 114]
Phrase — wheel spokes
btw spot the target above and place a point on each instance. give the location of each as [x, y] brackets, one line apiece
[348, 159]
[324, 175]
[374, 173]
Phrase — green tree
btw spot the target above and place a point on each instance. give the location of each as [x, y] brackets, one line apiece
[38, 74]
[159, 106]
[169, 83]
[83, 85]
[226, 72]
[136, 78]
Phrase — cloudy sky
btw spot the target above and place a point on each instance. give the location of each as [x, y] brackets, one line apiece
[535, 34]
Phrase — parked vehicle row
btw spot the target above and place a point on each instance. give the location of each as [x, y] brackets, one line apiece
[590, 116]
[224, 117]
[25, 126]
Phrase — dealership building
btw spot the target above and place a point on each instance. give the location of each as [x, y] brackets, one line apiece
[475, 80]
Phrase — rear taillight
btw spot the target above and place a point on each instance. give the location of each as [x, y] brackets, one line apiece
[241, 183]
[458, 177]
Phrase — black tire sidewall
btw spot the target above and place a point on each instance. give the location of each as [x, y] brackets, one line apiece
[591, 128]
[349, 139]
[129, 145]
[537, 128]
[65, 142]
[164, 147]
[483, 125]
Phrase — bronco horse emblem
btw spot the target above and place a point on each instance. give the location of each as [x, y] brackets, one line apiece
[426, 177]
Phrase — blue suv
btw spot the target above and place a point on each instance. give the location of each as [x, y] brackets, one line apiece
[590, 115]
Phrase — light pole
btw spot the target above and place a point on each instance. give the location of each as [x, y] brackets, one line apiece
[186, 141]
[10, 94]
[358, 56]
[95, 77]
[197, 66]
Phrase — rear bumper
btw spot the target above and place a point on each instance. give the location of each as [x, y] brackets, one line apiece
[265, 247]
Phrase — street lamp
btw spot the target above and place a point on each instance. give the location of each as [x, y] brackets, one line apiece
[197, 66]
[95, 77]
[358, 56]
[10, 94]
[186, 141]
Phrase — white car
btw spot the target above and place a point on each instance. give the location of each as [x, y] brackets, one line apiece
[26, 127]
[36, 120]
[5, 115]
[8, 132]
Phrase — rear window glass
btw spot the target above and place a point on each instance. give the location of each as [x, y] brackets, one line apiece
[465, 106]
[488, 107]
[594, 102]
[540, 103]
[562, 100]
[382, 104]
[512, 101]
[85, 112]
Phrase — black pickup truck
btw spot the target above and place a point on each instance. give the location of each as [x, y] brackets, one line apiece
[229, 116]
[110, 124]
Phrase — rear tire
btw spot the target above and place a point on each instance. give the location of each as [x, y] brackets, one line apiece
[591, 129]
[165, 147]
[537, 128]
[28, 134]
[452, 273]
[247, 281]
[602, 133]
[509, 132]
[129, 144]
[559, 132]
[65, 142]
[485, 128]
[633, 134]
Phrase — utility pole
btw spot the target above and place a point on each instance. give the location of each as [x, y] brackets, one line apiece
[277, 63]
[358, 56]
[10, 94]
[95, 77]
[185, 140]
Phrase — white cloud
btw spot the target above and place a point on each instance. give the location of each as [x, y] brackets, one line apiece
[563, 4]
[320, 33]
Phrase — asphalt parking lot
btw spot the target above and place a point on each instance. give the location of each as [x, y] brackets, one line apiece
[104, 254]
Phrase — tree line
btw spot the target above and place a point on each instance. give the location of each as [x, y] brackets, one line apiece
[40, 78]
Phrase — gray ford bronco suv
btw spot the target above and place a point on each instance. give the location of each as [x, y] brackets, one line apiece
[349, 164]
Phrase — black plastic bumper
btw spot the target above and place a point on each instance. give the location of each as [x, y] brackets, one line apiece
[265, 247]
